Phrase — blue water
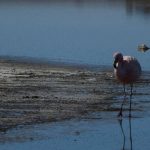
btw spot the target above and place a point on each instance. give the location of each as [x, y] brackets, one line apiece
[82, 134]
[75, 31]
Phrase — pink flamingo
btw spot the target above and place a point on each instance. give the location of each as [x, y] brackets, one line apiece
[127, 70]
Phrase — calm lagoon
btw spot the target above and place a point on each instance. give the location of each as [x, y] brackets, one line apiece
[74, 30]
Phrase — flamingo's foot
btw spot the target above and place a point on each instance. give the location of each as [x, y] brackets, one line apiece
[120, 114]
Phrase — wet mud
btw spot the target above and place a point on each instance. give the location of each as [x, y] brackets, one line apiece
[36, 93]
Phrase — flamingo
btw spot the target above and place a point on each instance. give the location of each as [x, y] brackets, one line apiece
[127, 70]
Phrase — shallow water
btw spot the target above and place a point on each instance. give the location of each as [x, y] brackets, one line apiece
[82, 134]
[75, 31]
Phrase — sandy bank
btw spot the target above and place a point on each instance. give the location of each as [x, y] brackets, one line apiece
[35, 93]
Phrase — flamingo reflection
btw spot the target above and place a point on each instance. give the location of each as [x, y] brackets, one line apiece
[124, 146]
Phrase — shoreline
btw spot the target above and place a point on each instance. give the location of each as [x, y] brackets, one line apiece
[37, 93]
[44, 92]
[53, 63]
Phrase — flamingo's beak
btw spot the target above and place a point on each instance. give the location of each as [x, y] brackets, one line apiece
[114, 64]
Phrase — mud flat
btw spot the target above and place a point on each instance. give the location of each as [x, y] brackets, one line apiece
[37, 92]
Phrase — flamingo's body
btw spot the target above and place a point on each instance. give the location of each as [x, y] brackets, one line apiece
[127, 70]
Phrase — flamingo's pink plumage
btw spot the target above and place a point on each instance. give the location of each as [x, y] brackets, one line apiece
[127, 70]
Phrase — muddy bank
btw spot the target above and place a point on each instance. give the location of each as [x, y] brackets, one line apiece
[35, 93]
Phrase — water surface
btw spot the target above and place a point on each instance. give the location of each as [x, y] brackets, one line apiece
[87, 134]
[75, 31]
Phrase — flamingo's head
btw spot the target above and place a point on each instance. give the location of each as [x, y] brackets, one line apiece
[118, 58]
